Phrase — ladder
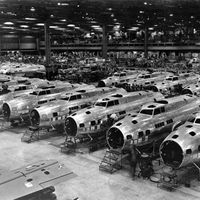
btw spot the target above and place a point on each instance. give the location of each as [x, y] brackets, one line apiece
[112, 161]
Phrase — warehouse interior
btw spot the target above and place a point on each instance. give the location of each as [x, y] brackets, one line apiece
[99, 99]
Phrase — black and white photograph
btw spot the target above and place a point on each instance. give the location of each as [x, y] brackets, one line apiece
[99, 99]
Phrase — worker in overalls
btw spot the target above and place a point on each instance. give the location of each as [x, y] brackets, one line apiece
[130, 148]
[133, 158]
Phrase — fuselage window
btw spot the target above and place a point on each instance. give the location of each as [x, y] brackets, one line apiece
[93, 123]
[48, 92]
[55, 114]
[197, 121]
[188, 151]
[169, 121]
[74, 108]
[81, 125]
[140, 134]
[122, 112]
[84, 106]
[147, 132]
[41, 102]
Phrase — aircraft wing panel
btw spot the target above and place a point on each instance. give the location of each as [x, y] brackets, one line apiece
[29, 179]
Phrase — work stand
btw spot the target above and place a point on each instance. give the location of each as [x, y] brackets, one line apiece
[112, 161]
[86, 142]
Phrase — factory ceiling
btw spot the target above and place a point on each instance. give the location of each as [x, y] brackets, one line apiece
[82, 16]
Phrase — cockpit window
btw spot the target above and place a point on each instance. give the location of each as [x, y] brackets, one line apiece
[197, 121]
[73, 97]
[102, 104]
[42, 93]
[147, 111]
[110, 103]
[157, 111]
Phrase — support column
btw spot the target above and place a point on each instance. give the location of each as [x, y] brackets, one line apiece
[37, 44]
[146, 42]
[49, 71]
[19, 42]
[0, 43]
[47, 43]
[104, 43]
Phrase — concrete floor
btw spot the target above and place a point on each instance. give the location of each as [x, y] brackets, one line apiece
[90, 183]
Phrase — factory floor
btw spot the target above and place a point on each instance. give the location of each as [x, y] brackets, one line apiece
[90, 183]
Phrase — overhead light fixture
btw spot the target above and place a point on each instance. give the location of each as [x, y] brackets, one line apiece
[40, 24]
[53, 27]
[62, 4]
[63, 20]
[151, 28]
[24, 26]
[51, 16]
[95, 26]
[71, 25]
[8, 23]
[76, 27]
[7, 27]
[171, 15]
[32, 9]
[141, 11]
[145, 3]
[30, 18]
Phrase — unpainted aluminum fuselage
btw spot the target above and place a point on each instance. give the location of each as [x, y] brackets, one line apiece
[53, 114]
[182, 146]
[91, 120]
[154, 121]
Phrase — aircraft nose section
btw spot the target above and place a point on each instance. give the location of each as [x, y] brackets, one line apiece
[101, 84]
[35, 118]
[6, 111]
[171, 153]
[70, 126]
[115, 138]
